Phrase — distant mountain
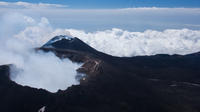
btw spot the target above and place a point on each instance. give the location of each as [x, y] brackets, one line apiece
[159, 83]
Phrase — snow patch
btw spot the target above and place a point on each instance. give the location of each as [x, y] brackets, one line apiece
[42, 109]
[58, 38]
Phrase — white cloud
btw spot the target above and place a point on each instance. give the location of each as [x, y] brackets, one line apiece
[38, 34]
[29, 5]
[159, 9]
[120, 42]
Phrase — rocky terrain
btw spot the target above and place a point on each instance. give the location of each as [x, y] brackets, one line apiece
[159, 83]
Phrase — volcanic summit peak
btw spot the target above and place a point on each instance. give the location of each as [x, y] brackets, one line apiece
[58, 38]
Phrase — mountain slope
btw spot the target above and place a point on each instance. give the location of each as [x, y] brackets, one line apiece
[160, 83]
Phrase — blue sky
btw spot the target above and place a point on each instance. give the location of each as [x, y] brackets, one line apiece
[88, 4]
[95, 15]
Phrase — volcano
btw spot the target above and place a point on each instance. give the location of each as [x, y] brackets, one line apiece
[67, 42]
[159, 83]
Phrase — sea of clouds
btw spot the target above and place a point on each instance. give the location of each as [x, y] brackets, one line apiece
[118, 42]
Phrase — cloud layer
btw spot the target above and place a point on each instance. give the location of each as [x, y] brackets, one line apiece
[29, 5]
[118, 42]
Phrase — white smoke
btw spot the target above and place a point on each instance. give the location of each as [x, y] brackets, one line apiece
[45, 70]
[31, 68]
